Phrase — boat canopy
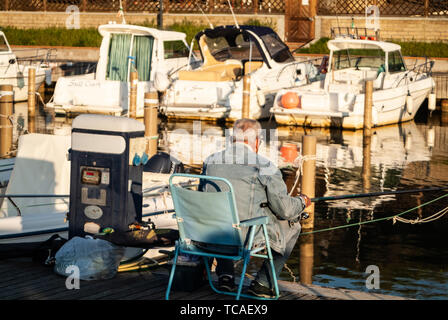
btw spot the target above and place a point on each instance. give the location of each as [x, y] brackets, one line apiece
[271, 42]
[343, 44]
[139, 30]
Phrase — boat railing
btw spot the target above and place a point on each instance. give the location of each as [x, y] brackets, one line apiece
[355, 33]
[317, 62]
[146, 194]
[35, 56]
[424, 68]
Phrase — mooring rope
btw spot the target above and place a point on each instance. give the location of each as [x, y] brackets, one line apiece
[298, 162]
[431, 218]
[394, 217]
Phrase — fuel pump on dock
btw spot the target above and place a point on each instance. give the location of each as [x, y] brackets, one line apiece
[105, 186]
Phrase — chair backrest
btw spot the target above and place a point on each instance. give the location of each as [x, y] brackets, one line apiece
[208, 217]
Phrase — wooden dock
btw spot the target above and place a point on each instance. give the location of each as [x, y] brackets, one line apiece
[22, 279]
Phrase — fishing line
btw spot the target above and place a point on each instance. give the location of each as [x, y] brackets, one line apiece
[381, 219]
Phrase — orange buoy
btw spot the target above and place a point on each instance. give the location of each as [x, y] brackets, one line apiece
[290, 100]
[289, 152]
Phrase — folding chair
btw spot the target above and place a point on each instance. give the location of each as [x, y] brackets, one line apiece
[212, 218]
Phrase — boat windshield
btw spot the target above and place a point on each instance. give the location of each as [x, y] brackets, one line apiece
[276, 48]
[395, 62]
[239, 48]
[359, 58]
[3, 44]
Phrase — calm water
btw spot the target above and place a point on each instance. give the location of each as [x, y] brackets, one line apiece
[412, 258]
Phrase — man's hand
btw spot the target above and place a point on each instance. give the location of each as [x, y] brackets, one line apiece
[306, 200]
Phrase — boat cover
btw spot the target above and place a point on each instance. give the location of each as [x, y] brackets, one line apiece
[41, 167]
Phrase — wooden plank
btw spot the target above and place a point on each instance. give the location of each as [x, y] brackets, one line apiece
[39, 282]
[138, 288]
[100, 289]
[20, 275]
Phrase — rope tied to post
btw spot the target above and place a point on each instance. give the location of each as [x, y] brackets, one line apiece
[298, 162]
[6, 93]
[152, 138]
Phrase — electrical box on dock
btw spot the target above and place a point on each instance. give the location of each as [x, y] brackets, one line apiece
[105, 186]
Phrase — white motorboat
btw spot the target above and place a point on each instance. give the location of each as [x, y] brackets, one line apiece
[124, 48]
[214, 89]
[14, 70]
[338, 99]
[208, 88]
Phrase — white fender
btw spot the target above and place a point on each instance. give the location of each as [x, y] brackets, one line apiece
[408, 142]
[432, 102]
[431, 137]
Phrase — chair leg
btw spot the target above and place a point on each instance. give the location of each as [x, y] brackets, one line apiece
[173, 270]
[209, 276]
[271, 262]
[243, 274]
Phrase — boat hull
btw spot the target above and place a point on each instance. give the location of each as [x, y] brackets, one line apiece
[389, 107]
[20, 84]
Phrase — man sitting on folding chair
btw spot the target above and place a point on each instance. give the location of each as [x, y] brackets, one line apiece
[259, 191]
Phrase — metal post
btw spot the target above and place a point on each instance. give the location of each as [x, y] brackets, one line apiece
[132, 112]
[150, 112]
[6, 99]
[160, 15]
[308, 182]
[246, 97]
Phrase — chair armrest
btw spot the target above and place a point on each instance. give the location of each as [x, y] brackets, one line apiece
[254, 221]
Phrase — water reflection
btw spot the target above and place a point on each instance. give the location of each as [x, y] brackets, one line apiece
[406, 156]
[412, 259]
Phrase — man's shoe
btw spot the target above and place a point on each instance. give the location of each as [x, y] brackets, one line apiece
[226, 283]
[259, 290]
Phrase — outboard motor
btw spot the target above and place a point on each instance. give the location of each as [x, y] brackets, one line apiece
[162, 162]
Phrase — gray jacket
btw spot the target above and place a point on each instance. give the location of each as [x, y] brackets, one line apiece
[259, 191]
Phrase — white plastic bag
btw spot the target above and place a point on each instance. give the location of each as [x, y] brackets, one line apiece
[95, 258]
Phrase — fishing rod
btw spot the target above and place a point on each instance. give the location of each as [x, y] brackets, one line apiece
[318, 199]
[375, 194]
